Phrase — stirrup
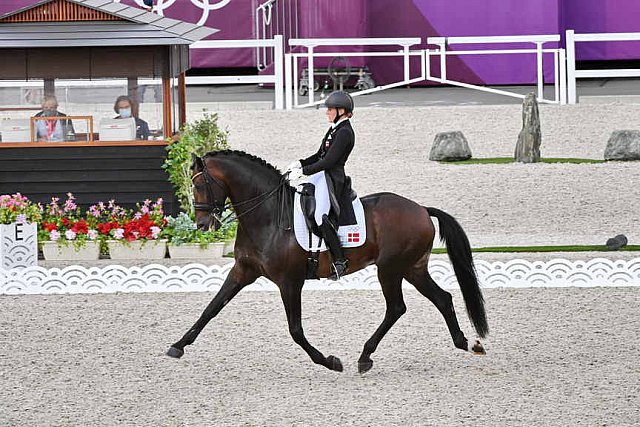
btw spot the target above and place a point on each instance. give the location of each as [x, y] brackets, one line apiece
[339, 269]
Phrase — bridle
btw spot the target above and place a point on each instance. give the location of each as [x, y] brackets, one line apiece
[215, 209]
[212, 206]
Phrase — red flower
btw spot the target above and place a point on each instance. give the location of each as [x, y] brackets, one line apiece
[49, 226]
[80, 227]
[65, 222]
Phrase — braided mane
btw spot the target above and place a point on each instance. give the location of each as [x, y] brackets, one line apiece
[242, 154]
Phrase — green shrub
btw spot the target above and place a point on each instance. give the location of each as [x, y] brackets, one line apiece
[199, 138]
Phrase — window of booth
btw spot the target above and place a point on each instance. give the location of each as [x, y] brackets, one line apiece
[98, 110]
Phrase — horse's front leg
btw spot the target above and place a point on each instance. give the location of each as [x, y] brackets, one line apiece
[237, 279]
[292, 298]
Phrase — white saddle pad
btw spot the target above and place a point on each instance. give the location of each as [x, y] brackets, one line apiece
[351, 236]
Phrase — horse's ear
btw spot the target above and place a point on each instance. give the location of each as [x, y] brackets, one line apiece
[197, 163]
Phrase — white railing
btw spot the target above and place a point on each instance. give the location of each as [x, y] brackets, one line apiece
[276, 78]
[291, 63]
[539, 51]
[573, 74]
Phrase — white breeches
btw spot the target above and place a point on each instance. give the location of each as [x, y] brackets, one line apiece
[323, 204]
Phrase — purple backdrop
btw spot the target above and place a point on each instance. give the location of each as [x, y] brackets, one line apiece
[419, 18]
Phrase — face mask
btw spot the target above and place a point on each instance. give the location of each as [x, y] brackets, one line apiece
[125, 113]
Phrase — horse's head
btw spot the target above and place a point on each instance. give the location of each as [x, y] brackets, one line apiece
[209, 195]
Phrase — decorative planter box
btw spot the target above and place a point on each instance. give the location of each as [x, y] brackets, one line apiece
[18, 245]
[229, 246]
[138, 249]
[195, 251]
[54, 252]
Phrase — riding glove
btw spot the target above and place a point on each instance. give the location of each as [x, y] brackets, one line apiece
[293, 165]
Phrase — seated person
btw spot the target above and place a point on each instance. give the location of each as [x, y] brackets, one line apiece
[124, 108]
[53, 130]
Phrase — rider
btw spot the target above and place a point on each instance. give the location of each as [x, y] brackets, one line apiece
[328, 165]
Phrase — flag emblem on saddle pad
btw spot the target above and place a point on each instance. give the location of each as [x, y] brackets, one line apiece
[353, 237]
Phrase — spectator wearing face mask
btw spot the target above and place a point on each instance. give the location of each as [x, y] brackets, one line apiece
[124, 108]
[52, 130]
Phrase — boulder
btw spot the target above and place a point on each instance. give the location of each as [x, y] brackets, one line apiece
[623, 145]
[450, 147]
[530, 137]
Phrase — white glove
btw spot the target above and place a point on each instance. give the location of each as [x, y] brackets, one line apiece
[293, 165]
[295, 174]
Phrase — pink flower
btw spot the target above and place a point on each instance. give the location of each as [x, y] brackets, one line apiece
[155, 232]
[22, 218]
[54, 235]
[93, 234]
[70, 234]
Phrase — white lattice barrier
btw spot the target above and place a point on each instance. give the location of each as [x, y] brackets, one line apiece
[516, 273]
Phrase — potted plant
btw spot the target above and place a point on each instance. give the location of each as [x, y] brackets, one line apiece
[18, 231]
[137, 235]
[186, 241]
[65, 234]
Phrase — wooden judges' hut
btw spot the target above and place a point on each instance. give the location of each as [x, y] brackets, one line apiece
[87, 53]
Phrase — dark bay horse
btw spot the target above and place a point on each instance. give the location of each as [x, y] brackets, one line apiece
[400, 237]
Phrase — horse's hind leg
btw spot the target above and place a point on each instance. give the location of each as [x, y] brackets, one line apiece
[235, 281]
[421, 279]
[291, 294]
[392, 289]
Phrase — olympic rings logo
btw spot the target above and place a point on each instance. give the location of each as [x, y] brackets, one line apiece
[206, 5]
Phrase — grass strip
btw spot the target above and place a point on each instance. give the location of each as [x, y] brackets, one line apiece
[534, 249]
[505, 160]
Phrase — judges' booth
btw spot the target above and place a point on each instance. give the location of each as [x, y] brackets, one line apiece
[90, 91]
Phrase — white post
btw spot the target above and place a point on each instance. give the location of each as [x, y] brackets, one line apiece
[540, 70]
[571, 67]
[406, 63]
[296, 81]
[443, 63]
[277, 70]
[563, 77]
[556, 76]
[288, 76]
[310, 73]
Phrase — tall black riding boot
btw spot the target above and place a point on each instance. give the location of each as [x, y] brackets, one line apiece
[340, 263]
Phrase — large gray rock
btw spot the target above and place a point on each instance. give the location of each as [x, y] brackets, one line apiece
[450, 147]
[623, 145]
[530, 137]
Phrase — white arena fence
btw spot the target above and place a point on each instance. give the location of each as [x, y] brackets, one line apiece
[517, 273]
[572, 74]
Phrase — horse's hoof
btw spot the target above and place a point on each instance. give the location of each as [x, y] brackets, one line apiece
[175, 352]
[364, 366]
[334, 364]
[478, 348]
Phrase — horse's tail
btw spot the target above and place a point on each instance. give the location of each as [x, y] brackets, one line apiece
[459, 251]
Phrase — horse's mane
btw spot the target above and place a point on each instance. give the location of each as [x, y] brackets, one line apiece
[242, 154]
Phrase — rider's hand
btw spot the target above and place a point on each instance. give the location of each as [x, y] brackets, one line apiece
[296, 176]
[293, 165]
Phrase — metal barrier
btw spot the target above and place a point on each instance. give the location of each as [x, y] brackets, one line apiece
[274, 17]
[275, 78]
[538, 40]
[291, 63]
[573, 74]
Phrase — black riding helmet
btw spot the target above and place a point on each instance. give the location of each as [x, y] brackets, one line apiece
[339, 99]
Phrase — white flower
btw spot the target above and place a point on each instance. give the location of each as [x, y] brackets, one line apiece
[93, 234]
[155, 232]
[118, 233]
[54, 235]
[70, 234]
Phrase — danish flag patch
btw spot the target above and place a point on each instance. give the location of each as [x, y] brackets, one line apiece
[353, 237]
